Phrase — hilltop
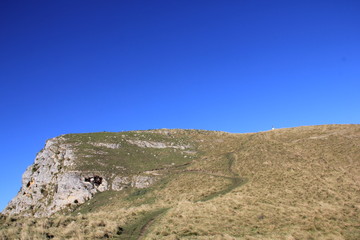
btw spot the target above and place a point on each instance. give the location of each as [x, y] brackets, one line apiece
[295, 183]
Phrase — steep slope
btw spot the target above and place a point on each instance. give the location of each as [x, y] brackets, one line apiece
[72, 168]
[298, 183]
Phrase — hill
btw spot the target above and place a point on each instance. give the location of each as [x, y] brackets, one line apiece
[296, 183]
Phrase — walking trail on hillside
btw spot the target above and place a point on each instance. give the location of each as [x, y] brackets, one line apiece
[139, 231]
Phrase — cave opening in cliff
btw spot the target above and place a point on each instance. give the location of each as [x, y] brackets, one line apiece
[95, 180]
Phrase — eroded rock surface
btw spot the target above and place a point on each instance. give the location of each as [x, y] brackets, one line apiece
[51, 183]
[48, 187]
[152, 144]
[138, 181]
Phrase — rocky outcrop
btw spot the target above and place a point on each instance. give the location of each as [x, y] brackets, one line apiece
[51, 183]
[152, 144]
[107, 145]
[46, 185]
[139, 181]
[71, 169]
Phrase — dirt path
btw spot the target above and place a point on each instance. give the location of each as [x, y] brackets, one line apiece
[139, 231]
[235, 179]
[146, 226]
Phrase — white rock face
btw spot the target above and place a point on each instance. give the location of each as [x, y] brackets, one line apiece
[119, 183]
[151, 144]
[49, 185]
[107, 145]
[138, 181]
[142, 181]
[72, 188]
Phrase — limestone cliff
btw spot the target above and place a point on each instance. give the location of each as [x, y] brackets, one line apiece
[71, 169]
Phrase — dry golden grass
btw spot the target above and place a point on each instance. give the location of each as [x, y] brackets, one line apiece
[191, 186]
[302, 183]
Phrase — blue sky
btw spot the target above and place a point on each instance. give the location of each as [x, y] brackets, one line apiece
[237, 66]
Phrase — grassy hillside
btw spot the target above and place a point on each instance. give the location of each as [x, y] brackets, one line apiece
[297, 183]
[127, 157]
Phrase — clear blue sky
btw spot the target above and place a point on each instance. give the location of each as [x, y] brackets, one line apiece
[237, 66]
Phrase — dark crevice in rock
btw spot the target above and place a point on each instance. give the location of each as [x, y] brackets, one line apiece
[95, 180]
[49, 236]
[119, 231]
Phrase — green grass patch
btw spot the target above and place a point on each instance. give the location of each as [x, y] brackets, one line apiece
[128, 158]
[99, 200]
